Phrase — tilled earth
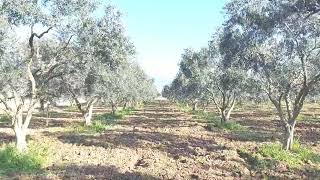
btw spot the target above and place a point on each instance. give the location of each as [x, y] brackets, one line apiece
[157, 142]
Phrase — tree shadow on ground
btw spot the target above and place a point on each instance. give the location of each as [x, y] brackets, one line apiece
[256, 136]
[263, 131]
[6, 138]
[40, 123]
[157, 115]
[162, 123]
[73, 171]
[253, 114]
[172, 144]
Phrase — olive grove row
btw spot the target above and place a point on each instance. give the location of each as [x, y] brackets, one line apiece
[264, 50]
[76, 49]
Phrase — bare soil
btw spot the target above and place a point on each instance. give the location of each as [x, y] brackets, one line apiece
[160, 142]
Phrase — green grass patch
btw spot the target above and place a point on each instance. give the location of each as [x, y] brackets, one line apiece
[110, 118]
[72, 109]
[138, 106]
[268, 156]
[256, 161]
[214, 121]
[232, 126]
[4, 118]
[294, 158]
[310, 118]
[96, 127]
[103, 122]
[31, 161]
[183, 107]
[207, 116]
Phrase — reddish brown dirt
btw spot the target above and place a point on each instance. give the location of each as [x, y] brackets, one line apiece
[158, 142]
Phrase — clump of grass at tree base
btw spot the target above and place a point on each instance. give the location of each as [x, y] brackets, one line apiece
[138, 106]
[256, 161]
[102, 122]
[302, 117]
[270, 154]
[31, 161]
[96, 127]
[215, 121]
[110, 118]
[229, 126]
[72, 108]
[4, 118]
[184, 107]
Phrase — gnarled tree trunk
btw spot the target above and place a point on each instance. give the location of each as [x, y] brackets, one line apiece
[88, 111]
[21, 138]
[226, 108]
[20, 130]
[113, 107]
[88, 114]
[289, 134]
[194, 107]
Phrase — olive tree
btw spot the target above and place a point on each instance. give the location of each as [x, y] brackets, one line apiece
[24, 72]
[128, 83]
[228, 77]
[188, 86]
[281, 46]
[100, 49]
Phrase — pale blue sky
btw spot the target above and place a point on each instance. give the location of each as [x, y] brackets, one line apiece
[162, 29]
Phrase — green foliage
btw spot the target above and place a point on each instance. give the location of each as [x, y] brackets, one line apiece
[103, 122]
[294, 158]
[138, 106]
[229, 126]
[4, 118]
[215, 121]
[183, 107]
[31, 161]
[110, 118]
[256, 161]
[96, 127]
[303, 117]
[72, 109]
[129, 110]
[209, 117]
[269, 155]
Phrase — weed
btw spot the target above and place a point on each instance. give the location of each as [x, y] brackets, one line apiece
[268, 154]
[31, 161]
[102, 122]
[256, 161]
[184, 107]
[215, 121]
[303, 117]
[72, 108]
[4, 118]
[96, 127]
[229, 126]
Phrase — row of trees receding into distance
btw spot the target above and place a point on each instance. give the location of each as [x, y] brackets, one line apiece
[74, 49]
[264, 50]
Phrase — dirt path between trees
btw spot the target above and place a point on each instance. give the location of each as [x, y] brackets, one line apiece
[157, 142]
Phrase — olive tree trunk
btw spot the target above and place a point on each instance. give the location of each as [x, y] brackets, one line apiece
[288, 142]
[88, 115]
[87, 112]
[226, 106]
[20, 123]
[225, 113]
[288, 114]
[20, 131]
[113, 107]
[194, 106]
